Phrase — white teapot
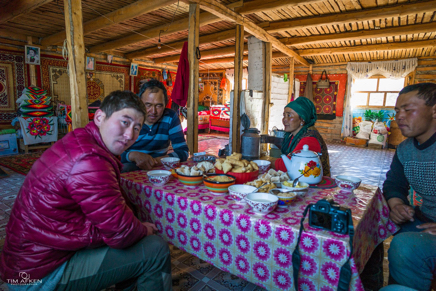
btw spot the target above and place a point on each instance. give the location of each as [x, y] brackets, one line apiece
[304, 162]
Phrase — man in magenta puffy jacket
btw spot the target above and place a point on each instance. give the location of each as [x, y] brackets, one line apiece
[70, 227]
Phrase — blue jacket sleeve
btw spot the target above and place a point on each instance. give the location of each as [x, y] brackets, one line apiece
[396, 184]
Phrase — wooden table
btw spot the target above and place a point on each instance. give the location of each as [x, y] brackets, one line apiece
[259, 248]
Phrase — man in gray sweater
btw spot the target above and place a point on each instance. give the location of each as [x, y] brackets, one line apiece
[412, 254]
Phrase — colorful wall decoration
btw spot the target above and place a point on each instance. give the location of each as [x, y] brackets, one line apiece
[12, 83]
[105, 79]
[146, 74]
[324, 99]
[341, 80]
[358, 117]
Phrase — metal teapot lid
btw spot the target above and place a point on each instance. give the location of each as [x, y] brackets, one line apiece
[251, 130]
[305, 153]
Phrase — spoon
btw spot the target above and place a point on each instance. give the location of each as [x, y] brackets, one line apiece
[259, 187]
[296, 180]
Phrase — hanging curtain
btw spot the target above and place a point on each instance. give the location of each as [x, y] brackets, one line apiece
[363, 70]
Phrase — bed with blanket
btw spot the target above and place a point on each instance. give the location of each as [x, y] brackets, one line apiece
[220, 118]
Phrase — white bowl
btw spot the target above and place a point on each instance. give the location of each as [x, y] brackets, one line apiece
[159, 177]
[263, 165]
[170, 162]
[238, 192]
[299, 191]
[262, 203]
[347, 183]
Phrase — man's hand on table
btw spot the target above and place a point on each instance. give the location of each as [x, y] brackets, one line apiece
[400, 212]
[151, 228]
[158, 160]
[143, 160]
[429, 227]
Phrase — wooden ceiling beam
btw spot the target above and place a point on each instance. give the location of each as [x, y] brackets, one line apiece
[229, 34]
[207, 53]
[223, 12]
[368, 48]
[392, 31]
[232, 59]
[264, 6]
[128, 12]
[15, 8]
[174, 46]
[205, 19]
[353, 16]
[180, 25]
[362, 34]
[6, 33]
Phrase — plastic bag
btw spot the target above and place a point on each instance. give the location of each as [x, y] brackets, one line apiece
[365, 130]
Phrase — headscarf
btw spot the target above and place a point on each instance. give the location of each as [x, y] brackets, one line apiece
[307, 111]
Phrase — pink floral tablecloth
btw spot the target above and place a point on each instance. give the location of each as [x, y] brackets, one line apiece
[259, 248]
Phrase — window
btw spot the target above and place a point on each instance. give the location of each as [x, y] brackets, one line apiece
[377, 91]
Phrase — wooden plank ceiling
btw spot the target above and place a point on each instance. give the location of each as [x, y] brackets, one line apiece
[328, 31]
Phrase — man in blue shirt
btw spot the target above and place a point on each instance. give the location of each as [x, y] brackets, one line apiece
[161, 126]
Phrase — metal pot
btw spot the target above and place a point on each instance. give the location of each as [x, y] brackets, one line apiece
[250, 144]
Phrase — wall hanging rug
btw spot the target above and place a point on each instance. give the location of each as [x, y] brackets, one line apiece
[324, 99]
[342, 82]
[12, 83]
[20, 163]
[105, 79]
[148, 74]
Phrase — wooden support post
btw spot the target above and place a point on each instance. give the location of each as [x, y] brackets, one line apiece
[76, 62]
[236, 115]
[193, 40]
[32, 71]
[267, 85]
[291, 79]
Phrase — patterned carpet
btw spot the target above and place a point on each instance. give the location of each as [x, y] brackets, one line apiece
[193, 274]
[20, 163]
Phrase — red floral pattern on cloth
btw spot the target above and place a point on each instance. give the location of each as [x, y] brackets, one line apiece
[259, 248]
[39, 127]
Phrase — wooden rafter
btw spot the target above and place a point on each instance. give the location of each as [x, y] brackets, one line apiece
[362, 34]
[341, 50]
[208, 53]
[128, 12]
[16, 8]
[205, 19]
[6, 33]
[221, 11]
[368, 48]
[182, 24]
[177, 46]
[352, 16]
[264, 6]
[369, 14]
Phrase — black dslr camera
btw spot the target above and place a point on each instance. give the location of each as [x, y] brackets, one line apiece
[328, 215]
